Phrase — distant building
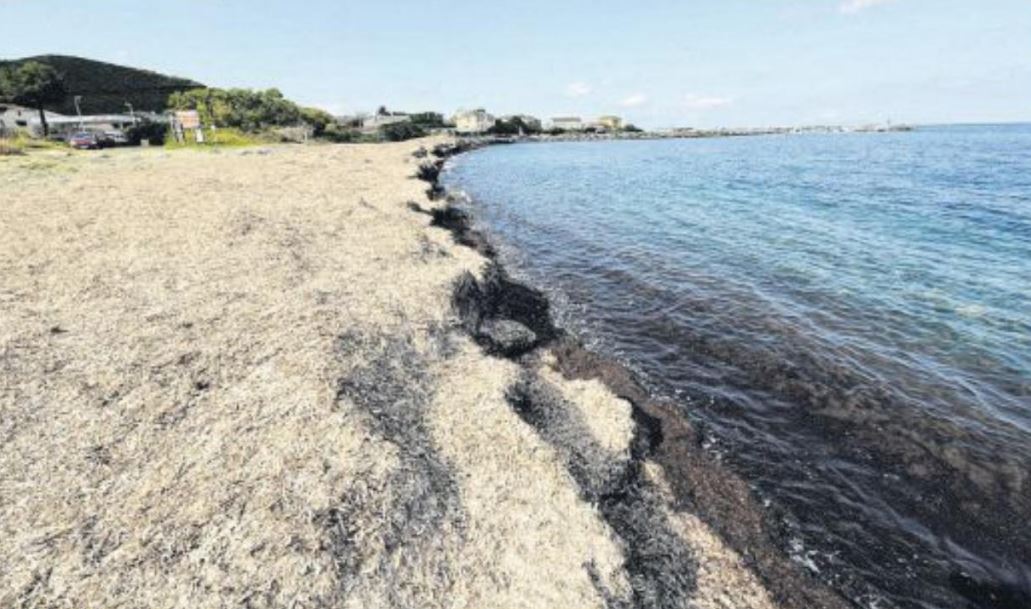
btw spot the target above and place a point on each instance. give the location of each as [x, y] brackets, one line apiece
[567, 123]
[612, 123]
[473, 121]
[64, 126]
[20, 119]
[375, 121]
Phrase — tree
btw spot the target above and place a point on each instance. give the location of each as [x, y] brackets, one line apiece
[428, 120]
[513, 126]
[502, 127]
[33, 84]
[251, 111]
[318, 119]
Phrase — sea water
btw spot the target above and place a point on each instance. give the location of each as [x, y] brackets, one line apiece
[847, 317]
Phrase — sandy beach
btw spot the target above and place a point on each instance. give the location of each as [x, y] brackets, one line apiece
[238, 379]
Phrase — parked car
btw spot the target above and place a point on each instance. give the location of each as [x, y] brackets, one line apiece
[84, 140]
[113, 138]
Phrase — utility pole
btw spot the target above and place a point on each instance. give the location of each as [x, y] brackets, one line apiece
[78, 111]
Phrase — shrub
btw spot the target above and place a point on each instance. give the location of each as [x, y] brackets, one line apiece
[225, 137]
[342, 135]
[504, 128]
[20, 144]
[429, 120]
[398, 132]
[512, 126]
[11, 147]
[232, 137]
[319, 120]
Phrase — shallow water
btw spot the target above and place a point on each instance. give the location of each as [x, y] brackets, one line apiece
[848, 317]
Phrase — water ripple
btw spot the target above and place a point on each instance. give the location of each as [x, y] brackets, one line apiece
[848, 316]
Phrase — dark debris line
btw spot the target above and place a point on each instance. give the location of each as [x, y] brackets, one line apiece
[661, 567]
[509, 319]
[417, 507]
[661, 434]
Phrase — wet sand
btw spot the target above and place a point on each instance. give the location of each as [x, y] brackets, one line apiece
[244, 378]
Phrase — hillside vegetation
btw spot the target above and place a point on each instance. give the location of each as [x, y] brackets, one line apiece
[243, 116]
[106, 87]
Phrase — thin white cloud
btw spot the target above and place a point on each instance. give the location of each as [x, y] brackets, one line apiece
[577, 89]
[854, 6]
[706, 102]
[637, 99]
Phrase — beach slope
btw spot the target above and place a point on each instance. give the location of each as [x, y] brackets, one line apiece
[237, 379]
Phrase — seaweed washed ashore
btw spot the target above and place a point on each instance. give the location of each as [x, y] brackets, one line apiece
[260, 378]
[661, 434]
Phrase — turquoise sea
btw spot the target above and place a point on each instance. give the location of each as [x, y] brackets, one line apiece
[846, 316]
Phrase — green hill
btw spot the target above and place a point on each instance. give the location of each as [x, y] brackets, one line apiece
[106, 87]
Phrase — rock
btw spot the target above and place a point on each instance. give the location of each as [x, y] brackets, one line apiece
[429, 172]
[506, 337]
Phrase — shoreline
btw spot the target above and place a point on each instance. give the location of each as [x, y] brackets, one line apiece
[1000, 589]
[719, 497]
[225, 379]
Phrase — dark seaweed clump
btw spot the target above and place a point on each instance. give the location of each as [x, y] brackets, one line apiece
[415, 506]
[661, 568]
[498, 297]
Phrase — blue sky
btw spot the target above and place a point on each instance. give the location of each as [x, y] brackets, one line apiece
[659, 63]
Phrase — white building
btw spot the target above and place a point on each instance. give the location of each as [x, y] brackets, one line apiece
[567, 123]
[472, 121]
[64, 126]
[20, 119]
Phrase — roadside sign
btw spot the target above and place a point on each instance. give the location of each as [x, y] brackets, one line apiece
[189, 119]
